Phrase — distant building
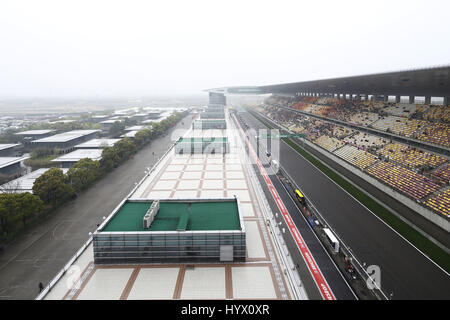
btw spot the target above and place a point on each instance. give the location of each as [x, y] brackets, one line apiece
[129, 134]
[68, 160]
[24, 183]
[11, 166]
[99, 118]
[8, 150]
[109, 123]
[97, 144]
[66, 140]
[31, 135]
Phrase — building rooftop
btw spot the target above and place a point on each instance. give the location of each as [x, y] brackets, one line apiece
[8, 161]
[109, 121]
[97, 143]
[34, 132]
[175, 215]
[66, 136]
[135, 128]
[94, 154]
[24, 183]
[4, 146]
[130, 134]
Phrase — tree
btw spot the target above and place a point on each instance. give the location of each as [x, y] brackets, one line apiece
[29, 205]
[9, 211]
[110, 159]
[83, 173]
[142, 137]
[117, 128]
[125, 148]
[52, 186]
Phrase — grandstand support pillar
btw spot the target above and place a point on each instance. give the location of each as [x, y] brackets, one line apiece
[366, 97]
[386, 98]
[428, 100]
[411, 99]
[447, 101]
[397, 99]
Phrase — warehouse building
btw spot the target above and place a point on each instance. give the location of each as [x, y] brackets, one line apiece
[8, 149]
[24, 183]
[31, 135]
[193, 230]
[69, 159]
[65, 141]
[11, 166]
[97, 144]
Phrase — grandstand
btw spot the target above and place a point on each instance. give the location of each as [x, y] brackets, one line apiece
[411, 157]
[357, 157]
[411, 171]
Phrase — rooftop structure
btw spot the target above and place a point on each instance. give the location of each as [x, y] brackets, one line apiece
[69, 159]
[24, 183]
[97, 143]
[66, 140]
[129, 134]
[135, 128]
[34, 133]
[209, 230]
[66, 136]
[8, 149]
[11, 165]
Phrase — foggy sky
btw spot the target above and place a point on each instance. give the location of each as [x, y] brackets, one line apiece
[143, 48]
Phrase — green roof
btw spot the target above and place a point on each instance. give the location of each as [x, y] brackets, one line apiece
[173, 215]
[200, 140]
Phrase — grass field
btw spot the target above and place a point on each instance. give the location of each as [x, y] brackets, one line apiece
[421, 242]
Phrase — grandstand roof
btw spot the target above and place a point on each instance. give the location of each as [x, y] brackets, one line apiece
[420, 82]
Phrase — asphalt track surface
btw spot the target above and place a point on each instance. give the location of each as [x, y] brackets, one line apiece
[37, 255]
[405, 271]
[332, 275]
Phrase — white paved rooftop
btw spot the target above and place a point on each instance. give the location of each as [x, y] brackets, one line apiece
[24, 183]
[94, 154]
[97, 143]
[66, 136]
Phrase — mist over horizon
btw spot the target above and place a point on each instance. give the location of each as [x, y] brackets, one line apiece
[116, 49]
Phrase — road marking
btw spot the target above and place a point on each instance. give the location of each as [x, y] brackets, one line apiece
[324, 289]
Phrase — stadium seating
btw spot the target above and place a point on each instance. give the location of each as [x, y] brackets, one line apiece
[412, 184]
[440, 203]
[365, 140]
[328, 143]
[438, 133]
[411, 157]
[442, 174]
[355, 156]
